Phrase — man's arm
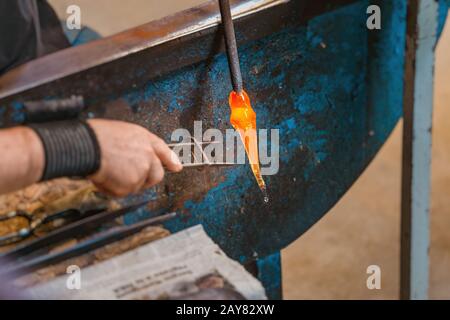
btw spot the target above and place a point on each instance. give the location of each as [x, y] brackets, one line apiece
[132, 158]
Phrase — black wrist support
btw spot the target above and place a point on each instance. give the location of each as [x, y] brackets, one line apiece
[71, 148]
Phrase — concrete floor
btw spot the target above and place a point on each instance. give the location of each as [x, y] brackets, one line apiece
[330, 260]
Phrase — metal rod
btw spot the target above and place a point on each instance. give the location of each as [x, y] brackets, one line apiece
[422, 22]
[231, 46]
[211, 164]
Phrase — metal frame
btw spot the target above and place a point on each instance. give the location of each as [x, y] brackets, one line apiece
[422, 28]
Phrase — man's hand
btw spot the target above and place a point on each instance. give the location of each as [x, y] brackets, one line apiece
[132, 158]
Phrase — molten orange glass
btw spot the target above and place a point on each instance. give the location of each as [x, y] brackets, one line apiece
[243, 119]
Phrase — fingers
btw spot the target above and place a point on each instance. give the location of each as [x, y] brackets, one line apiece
[166, 155]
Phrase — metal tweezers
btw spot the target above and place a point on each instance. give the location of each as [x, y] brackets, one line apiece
[204, 161]
[81, 227]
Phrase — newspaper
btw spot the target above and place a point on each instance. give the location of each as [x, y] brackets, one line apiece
[167, 268]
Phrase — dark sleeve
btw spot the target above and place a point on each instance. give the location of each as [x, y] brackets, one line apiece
[28, 29]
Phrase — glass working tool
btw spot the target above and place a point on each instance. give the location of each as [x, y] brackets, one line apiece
[37, 222]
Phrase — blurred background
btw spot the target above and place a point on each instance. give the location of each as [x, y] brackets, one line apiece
[330, 260]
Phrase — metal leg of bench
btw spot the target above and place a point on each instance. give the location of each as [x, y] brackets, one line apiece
[417, 111]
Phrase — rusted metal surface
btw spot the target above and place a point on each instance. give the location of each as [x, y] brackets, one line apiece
[422, 30]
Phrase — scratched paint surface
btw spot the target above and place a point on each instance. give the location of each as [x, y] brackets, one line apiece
[332, 88]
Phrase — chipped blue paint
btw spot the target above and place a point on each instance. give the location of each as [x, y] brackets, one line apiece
[415, 224]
